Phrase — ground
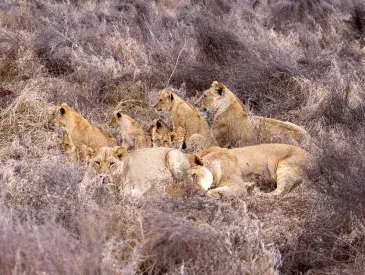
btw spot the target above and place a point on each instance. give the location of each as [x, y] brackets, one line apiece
[301, 61]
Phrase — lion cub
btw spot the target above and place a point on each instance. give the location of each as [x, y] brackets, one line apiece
[133, 136]
[230, 171]
[162, 136]
[232, 127]
[81, 133]
[184, 115]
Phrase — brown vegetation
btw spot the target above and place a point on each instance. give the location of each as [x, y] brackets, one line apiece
[291, 60]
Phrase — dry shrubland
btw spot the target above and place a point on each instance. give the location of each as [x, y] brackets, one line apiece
[300, 61]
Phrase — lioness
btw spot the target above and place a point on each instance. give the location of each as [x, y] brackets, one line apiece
[133, 136]
[163, 137]
[232, 127]
[184, 115]
[134, 173]
[233, 170]
[81, 133]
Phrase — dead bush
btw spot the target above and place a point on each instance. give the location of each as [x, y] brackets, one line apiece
[200, 243]
[294, 60]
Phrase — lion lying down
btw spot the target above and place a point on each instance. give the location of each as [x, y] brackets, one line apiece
[218, 170]
[231, 171]
[134, 173]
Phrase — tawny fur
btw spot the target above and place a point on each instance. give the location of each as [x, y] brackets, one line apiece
[160, 133]
[133, 135]
[234, 169]
[162, 136]
[136, 172]
[184, 115]
[65, 144]
[232, 127]
[81, 133]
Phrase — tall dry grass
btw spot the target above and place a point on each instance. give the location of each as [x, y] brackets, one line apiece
[294, 60]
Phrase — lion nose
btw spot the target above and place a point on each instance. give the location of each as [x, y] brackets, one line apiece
[104, 179]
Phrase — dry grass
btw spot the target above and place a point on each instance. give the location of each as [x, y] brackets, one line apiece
[294, 60]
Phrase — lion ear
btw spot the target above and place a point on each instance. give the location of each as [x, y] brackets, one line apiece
[214, 83]
[195, 160]
[220, 89]
[184, 146]
[171, 96]
[121, 152]
[158, 124]
[119, 115]
[91, 152]
[63, 108]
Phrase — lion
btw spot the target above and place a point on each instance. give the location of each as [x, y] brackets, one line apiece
[65, 144]
[134, 173]
[160, 133]
[196, 144]
[81, 133]
[232, 127]
[184, 115]
[162, 136]
[77, 154]
[233, 171]
[133, 135]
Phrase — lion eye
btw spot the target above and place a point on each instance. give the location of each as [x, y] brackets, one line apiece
[98, 163]
[111, 164]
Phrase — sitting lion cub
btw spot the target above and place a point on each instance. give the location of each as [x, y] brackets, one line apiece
[133, 136]
[136, 172]
[232, 127]
[163, 137]
[230, 171]
[185, 116]
[81, 133]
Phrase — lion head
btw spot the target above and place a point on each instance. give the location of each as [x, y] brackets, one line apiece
[212, 97]
[200, 174]
[160, 133]
[64, 114]
[105, 168]
[165, 100]
[116, 120]
[65, 143]
[160, 127]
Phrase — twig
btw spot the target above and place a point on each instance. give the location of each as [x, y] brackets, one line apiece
[60, 33]
[124, 101]
[150, 31]
[177, 60]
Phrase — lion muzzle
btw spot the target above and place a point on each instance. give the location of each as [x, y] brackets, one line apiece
[103, 180]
